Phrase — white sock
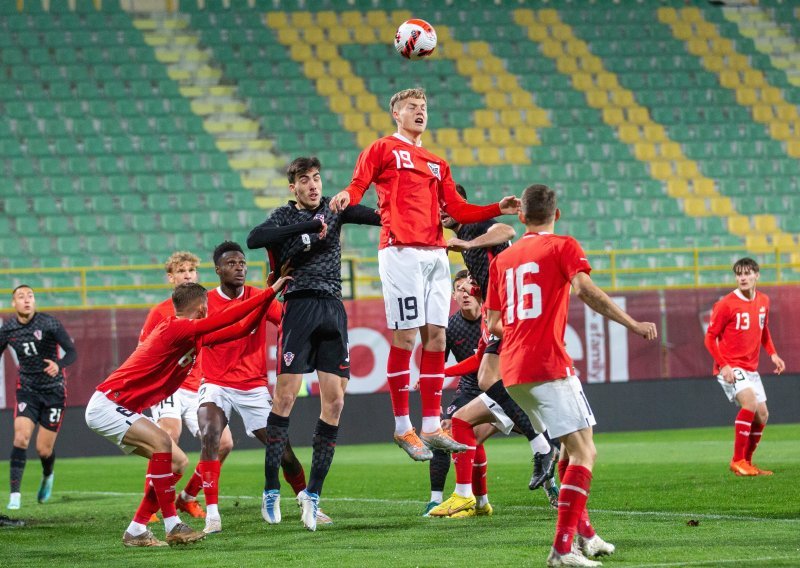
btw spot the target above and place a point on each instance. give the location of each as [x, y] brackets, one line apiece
[170, 522]
[212, 511]
[464, 489]
[540, 445]
[481, 500]
[186, 497]
[437, 496]
[135, 529]
[402, 424]
[431, 424]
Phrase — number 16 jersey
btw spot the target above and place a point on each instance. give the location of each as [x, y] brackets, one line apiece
[529, 285]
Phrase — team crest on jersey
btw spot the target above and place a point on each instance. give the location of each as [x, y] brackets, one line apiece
[288, 357]
[762, 317]
[320, 217]
[37, 333]
[435, 170]
[22, 406]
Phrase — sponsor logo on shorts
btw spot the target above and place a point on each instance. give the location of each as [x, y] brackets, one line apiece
[288, 357]
[38, 334]
[343, 367]
[22, 406]
[451, 409]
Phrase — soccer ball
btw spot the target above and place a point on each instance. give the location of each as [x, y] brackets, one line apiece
[415, 39]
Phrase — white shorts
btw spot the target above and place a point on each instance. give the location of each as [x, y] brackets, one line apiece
[180, 406]
[252, 405]
[502, 422]
[560, 407]
[416, 286]
[111, 420]
[744, 380]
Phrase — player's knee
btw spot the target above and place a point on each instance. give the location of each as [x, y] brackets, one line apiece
[179, 462]
[763, 415]
[334, 407]
[283, 402]
[44, 450]
[162, 443]
[21, 440]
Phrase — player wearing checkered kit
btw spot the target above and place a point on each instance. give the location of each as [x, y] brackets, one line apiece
[413, 185]
[155, 370]
[41, 390]
[739, 328]
[305, 234]
[527, 307]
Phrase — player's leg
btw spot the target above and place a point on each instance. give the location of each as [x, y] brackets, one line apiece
[23, 430]
[759, 422]
[747, 399]
[50, 419]
[186, 406]
[439, 465]
[212, 419]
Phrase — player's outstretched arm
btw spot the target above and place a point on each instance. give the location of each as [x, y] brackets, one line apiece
[596, 299]
[269, 234]
[361, 215]
[232, 314]
[497, 234]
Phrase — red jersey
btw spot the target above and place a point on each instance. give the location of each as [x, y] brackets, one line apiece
[737, 331]
[159, 366]
[159, 313]
[240, 364]
[413, 185]
[529, 285]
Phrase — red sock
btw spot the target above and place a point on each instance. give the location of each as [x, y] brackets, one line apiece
[585, 528]
[463, 433]
[209, 470]
[742, 428]
[562, 468]
[195, 483]
[160, 474]
[431, 379]
[296, 480]
[148, 507]
[571, 504]
[479, 471]
[398, 375]
[755, 437]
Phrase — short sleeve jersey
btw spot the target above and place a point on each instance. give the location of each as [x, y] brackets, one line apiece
[529, 286]
[159, 313]
[740, 327]
[461, 340]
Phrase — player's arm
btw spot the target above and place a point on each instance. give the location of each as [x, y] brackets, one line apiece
[234, 313]
[494, 323]
[365, 172]
[360, 215]
[52, 368]
[271, 233]
[496, 234]
[153, 319]
[240, 329]
[769, 347]
[463, 212]
[591, 295]
[719, 319]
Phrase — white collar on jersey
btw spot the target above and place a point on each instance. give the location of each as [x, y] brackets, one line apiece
[406, 140]
[743, 297]
[526, 235]
[221, 293]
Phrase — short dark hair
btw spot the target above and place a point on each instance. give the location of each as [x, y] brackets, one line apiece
[223, 247]
[186, 294]
[14, 291]
[538, 204]
[302, 165]
[745, 264]
[460, 275]
[461, 191]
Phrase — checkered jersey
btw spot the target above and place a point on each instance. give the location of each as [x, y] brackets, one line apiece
[33, 342]
[461, 340]
[478, 260]
[317, 262]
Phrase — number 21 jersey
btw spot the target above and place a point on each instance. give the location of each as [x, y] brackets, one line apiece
[529, 285]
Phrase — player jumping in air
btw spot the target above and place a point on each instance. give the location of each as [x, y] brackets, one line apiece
[181, 408]
[528, 303]
[41, 392]
[413, 185]
[738, 329]
[313, 334]
[153, 372]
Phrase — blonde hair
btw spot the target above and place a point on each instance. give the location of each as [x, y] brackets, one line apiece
[178, 258]
[417, 93]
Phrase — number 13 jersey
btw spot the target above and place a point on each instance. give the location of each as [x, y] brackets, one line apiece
[529, 285]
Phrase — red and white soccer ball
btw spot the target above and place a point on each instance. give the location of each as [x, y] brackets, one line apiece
[415, 39]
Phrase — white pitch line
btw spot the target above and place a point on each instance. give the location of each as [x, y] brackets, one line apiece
[664, 514]
[715, 562]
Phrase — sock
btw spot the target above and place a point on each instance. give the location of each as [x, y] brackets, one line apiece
[402, 424]
[742, 427]
[209, 475]
[481, 500]
[498, 393]
[296, 479]
[562, 468]
[194, 485]
[324, 446]
[147, 508]
[439, 467]
[170, 522]
[17, 462]
[479, 471]
[540, 445]
[135, 529]
[277, 437]
[212, 511]
[755, 437]
[571, 504]
[159, 472]
[585, 528]
[47, 464]
[398, 375]
[463, 433]
[431, 379]
[437, 496]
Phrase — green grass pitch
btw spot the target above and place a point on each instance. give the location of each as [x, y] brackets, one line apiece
[647, 487]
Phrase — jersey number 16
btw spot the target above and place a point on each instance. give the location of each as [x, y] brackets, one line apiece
[521, 295]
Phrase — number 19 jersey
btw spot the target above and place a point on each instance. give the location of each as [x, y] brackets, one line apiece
[529, 285]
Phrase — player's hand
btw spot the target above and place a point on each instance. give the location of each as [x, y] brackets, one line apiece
[510, 205]
[323, 232]
[727, 374]
[645, 329]
[779, 364]
[52, 368]
[457, 245]
[286, 271]
[339, 202]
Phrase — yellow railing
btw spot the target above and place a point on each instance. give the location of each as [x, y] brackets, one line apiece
[628, 269]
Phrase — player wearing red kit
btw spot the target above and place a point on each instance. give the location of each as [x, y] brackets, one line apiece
[527, 305]
[738, 330]
[153, 372]
[413, 185]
